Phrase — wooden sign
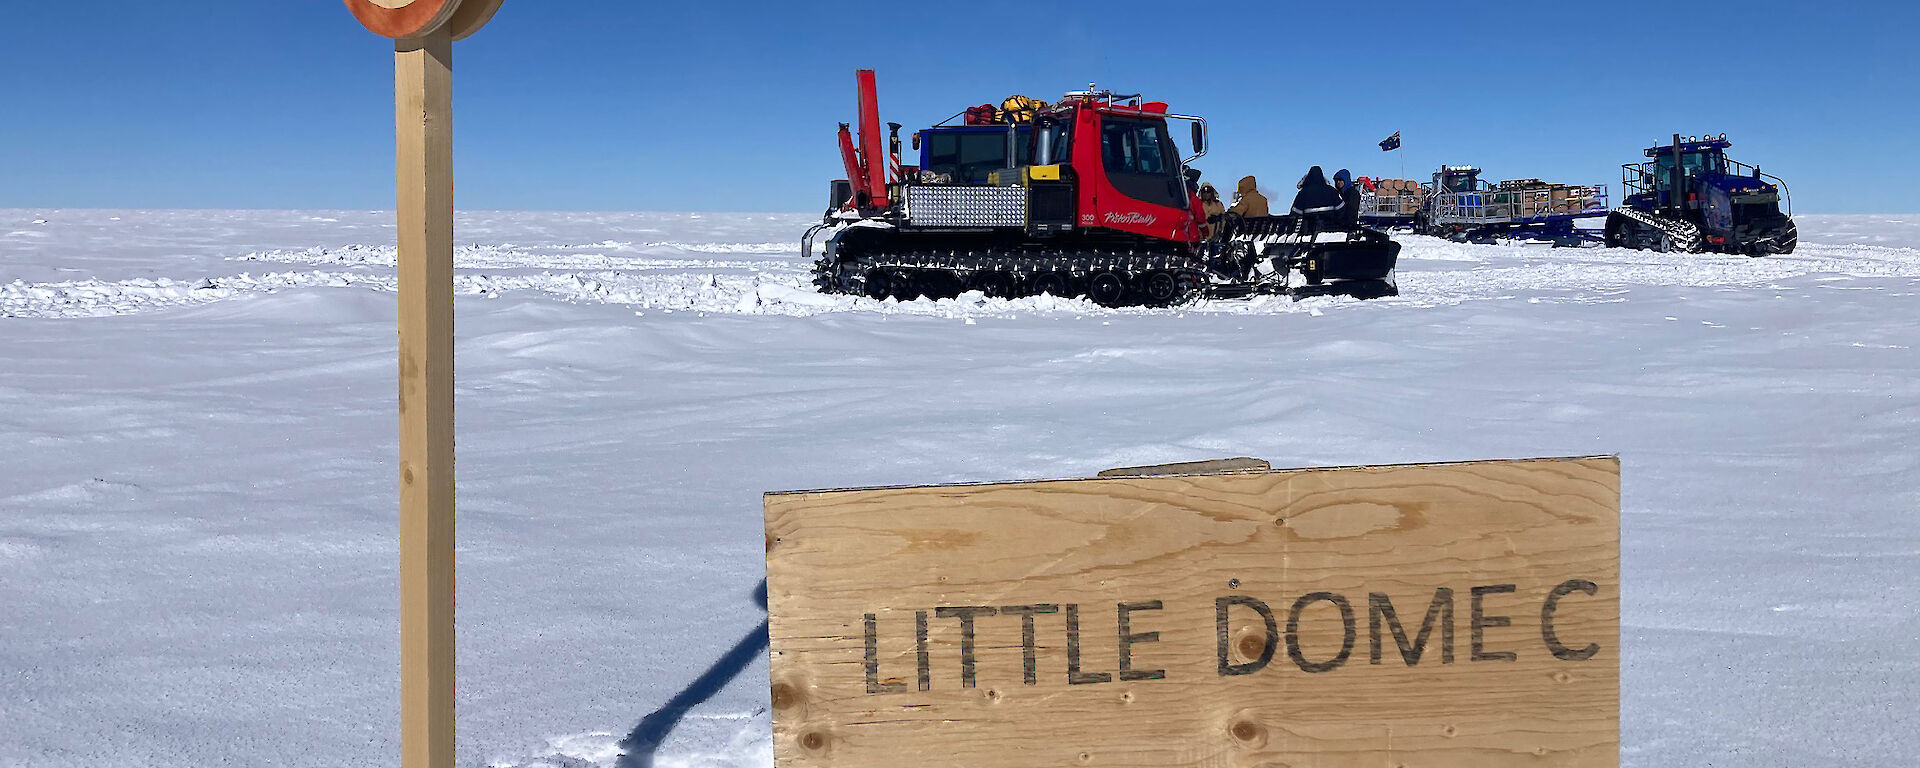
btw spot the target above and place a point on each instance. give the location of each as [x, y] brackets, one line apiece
[1436, 615]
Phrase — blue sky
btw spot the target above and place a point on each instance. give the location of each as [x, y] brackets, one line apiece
[627, 105]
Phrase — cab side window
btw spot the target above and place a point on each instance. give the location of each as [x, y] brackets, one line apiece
[1141, 161]
[1129, 146]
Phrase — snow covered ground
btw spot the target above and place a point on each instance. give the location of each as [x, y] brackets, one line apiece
[196, 509]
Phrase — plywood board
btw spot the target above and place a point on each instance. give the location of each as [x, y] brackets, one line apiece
[1436, 615]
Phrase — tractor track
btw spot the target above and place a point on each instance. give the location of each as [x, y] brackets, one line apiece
[1681, 236]
[1109, 278]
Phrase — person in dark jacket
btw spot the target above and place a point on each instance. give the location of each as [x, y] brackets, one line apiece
[1317, 204]
[1349, 198]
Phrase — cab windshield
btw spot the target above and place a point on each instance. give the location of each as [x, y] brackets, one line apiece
[1060, 135]
[1692, 164]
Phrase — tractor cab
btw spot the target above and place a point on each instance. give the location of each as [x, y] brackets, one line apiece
[1696, 160]
[1127, 171]
[1458, 178]
[1699, 160]
[988, 139]
[970, 154]
[1693, 175]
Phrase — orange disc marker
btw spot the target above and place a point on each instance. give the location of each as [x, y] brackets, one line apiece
[403, 19]
[471, 16]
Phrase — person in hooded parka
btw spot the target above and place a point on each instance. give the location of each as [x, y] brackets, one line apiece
[1349, 198]
[1317, 203]
[1248, 201]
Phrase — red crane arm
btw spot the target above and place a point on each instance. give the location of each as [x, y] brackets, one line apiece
[875, 178]
[851, 159]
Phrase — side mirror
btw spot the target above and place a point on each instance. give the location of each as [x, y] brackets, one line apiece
[916, 141]
[1199, 138]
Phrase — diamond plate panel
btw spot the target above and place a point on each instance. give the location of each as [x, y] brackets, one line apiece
[964, 206]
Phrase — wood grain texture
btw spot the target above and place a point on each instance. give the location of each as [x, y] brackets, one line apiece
[1529, 678]
[423, 132]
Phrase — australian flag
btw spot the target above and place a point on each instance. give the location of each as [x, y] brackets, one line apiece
[1391, 143]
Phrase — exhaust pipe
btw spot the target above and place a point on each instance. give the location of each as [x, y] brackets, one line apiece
[1679, 179]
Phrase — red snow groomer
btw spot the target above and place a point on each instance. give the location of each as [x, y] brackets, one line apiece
[1088, 196]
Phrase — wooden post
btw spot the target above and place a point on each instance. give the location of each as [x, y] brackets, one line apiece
[423, 32]
[423, 134]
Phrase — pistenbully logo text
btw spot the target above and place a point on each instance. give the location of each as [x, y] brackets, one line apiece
[1131, 217]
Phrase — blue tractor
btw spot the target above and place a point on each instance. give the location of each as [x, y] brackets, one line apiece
[1688, 197]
